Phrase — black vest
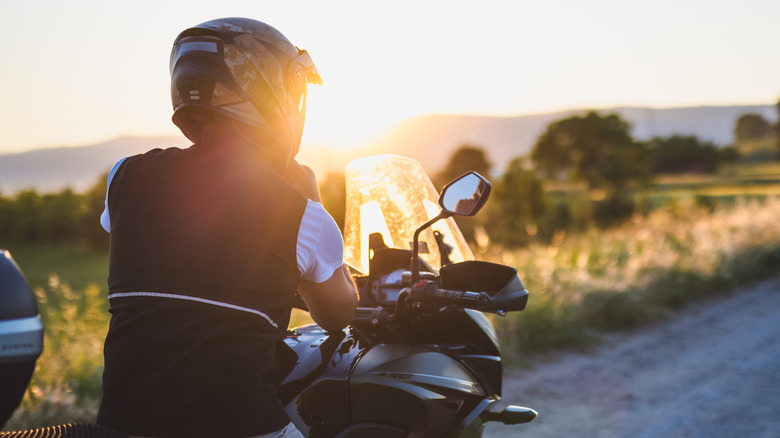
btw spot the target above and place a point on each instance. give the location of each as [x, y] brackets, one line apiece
[201, 277]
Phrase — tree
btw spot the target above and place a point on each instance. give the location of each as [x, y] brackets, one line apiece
[94, 201]
[752, 127]
[518, 206]
[6, 216]
[681, 154]
[728, 155]
[753, 138]
[61, 215]
[596, 149]
[467, 157]
[26, 216]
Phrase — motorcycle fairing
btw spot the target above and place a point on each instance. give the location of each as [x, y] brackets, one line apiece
[316, 392]
[413, 387]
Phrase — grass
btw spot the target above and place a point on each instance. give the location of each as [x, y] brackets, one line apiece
[636, 274]
[582, 285]
[757, 180]
[74, 265]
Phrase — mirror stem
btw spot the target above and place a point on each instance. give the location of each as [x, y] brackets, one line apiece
[415, 265]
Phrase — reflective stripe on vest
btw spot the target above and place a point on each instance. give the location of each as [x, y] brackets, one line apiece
[189, 298]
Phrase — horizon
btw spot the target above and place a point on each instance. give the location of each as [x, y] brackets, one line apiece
[429, 139]
[84, 74]
[175, 133]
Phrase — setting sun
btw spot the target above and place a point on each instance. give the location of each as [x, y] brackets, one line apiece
[101, 72]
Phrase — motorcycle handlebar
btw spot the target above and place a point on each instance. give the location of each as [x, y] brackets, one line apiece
[429, 291]
[426, 295]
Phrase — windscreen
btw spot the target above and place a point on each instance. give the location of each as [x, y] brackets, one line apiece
[393, 196]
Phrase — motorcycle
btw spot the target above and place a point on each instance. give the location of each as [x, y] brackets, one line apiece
[420, 358]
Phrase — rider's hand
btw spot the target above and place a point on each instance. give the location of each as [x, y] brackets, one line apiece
[302, 178]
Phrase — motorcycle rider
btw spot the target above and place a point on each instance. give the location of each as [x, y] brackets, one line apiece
[210, 243]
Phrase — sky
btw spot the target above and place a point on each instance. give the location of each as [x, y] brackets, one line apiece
[82, 72]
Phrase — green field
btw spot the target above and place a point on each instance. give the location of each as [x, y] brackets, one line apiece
[743, 180]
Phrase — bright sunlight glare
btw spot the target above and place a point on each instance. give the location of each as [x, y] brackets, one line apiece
[76, 75]
[372, 221]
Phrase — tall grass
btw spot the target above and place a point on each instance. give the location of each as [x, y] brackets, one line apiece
[638, 273]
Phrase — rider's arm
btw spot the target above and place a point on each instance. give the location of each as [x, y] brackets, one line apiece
[325, 286]
[331, 303]
[325, 283]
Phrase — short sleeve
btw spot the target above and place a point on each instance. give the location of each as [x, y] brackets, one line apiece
[320, 248]
[105, 219]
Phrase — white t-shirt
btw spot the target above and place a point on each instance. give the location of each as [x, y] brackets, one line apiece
[319, 250]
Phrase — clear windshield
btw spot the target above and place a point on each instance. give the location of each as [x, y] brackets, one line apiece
[393, 196]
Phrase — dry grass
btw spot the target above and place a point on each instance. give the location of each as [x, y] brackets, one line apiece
[624, 277]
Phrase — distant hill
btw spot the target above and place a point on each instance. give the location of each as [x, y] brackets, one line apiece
[79, 168]
[430, 139]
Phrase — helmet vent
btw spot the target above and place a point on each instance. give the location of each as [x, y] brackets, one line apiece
[198, 46]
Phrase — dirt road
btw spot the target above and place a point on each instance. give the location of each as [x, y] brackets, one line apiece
[711, 371]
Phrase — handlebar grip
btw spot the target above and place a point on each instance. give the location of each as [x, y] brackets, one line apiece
[432, 293]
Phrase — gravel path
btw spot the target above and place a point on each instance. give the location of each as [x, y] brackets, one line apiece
[712, 371]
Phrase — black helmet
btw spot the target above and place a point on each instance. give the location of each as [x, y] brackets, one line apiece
[246, 71]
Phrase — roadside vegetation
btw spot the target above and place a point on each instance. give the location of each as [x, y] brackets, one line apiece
[640, 272]
[602, 244]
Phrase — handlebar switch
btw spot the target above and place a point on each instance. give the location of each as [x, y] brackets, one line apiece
[406, 277]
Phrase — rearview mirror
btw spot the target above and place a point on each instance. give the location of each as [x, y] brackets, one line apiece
[465, 195]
